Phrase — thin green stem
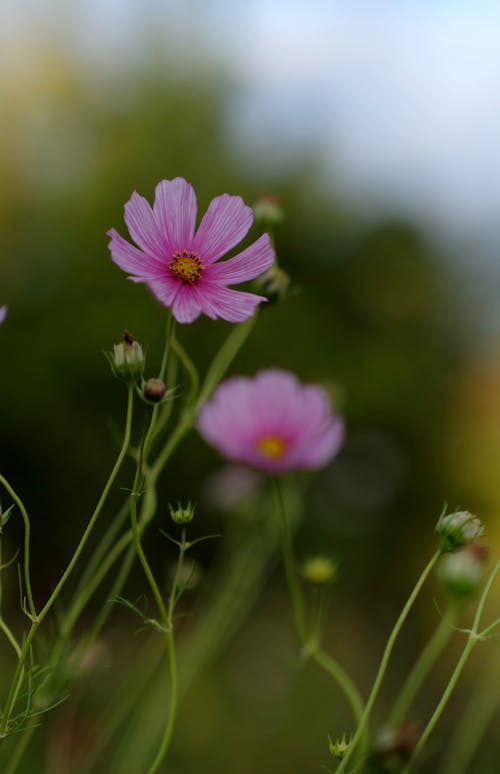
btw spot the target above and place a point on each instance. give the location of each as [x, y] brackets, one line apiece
[474, 637]
[299, 613]
[342, 678]
[18, 675]
[225, 356]
[296, 595]
[423, 665]
[467, 735]
[190, 367]
[362, 727]
[172, 661]
[27, 529]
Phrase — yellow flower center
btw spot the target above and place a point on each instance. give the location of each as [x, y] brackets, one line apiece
[188, 266]
[272, 446]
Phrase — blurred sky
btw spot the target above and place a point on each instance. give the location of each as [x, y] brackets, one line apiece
[402, 97]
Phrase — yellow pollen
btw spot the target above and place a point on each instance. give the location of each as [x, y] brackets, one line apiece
[272, 446]
[188, 266]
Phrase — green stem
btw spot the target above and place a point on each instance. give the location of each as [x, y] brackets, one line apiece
[24, 514]
[296, 595]
[468, 733]
[299, 613]
[172, 661]
[18, 675]
[474, 637]
[423, 665]
[342, 678]
[362, 727]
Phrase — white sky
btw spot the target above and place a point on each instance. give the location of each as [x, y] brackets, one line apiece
[403, 96]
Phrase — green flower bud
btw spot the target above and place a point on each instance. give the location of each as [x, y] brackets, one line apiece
[457, 530]
[462, 572]
[339, 748]
[127, 359]
[182, 515]
[319, 570]
[267, 212]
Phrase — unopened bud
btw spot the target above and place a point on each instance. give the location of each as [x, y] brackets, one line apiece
[339, 748]
[182, 515]
[319, 570]
[267, 211]
[395, 746]
[462, 572]
[457, 530]
[275, 283]
[154, 390]
[127, 359]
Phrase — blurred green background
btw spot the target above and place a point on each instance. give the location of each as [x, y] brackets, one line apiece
[383, 311]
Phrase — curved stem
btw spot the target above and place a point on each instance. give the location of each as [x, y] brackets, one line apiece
[473, 638]
[342, 678]
[361, 730]
[24, 514]
[423, 665]
[18, 675]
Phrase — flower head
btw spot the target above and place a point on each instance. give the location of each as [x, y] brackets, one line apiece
[180, 265]
[456, 530]
[271, 422]
[3, 313]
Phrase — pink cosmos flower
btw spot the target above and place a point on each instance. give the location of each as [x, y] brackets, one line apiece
[271, 422]
[180, 265]
[3, 313]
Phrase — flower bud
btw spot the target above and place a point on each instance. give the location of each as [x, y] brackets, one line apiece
[275, 283]
[182, 515]
[394, 746]
[127, 359]
[267, 212]
[319, 570]
[462, 572]
[339, 748]
[457, 530]
[154, 390]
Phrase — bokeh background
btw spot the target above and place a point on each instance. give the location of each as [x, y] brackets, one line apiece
[376, 124]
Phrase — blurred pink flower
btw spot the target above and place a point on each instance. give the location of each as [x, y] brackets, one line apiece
[3, 313]
[178, 265]
[272, 422]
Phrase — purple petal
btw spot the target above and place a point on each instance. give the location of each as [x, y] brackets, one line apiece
[247, 265]
[133, 260]
[321, 447]
[224, 224]
[175, 211]
[3, 313]
[143, 227]
[231, 305]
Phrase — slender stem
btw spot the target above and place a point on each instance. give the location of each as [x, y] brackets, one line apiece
[468, 733]
[297, 597]
[225, 356]
[172, 661]
[3, 625]
[342, 678]
[18, 675]
[423, 665]
[360, 732]
[24, 514]
[474, 637]
[299, 613]
[190, 367]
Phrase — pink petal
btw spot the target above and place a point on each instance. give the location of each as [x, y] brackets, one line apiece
[224, 224]
[133, 260]
[175, 211]
[3, 313]
[231, 305]
[247, 265]
[186, 306]
[321, 447]
[143, 227]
